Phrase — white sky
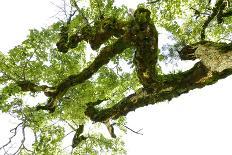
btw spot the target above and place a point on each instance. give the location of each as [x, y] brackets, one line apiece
[198, 123]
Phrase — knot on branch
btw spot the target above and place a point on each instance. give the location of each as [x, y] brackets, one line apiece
[49, 106]
[142, 17]
[187, 53]
[92, 112]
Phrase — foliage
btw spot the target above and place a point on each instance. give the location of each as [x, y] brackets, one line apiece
[38, 65]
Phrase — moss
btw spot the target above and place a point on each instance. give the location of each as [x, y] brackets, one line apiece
[62, 46]
[142, 15]
[73, 41]
[62, 43]
[225, 47]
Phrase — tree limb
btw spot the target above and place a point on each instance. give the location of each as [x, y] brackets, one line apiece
[206, 72]
[137, 132]
[217, 11]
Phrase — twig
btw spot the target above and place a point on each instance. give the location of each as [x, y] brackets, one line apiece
[152, 2]
[82, 14]
[137, 132]
[14, 131]
[22, 142]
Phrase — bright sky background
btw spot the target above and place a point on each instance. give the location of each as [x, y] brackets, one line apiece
[197, 123]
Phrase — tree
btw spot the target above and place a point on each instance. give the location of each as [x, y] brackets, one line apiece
[76, 64]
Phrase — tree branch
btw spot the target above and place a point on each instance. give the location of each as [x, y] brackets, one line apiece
[32, 87]
[206, 72]
[140, 33]
[14, 131]
[78, 138]
[137, 132]
[22, 145]
[217, 11]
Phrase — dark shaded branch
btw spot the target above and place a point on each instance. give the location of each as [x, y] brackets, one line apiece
[146, 44]
[217, 11]
[143, 98]
[152, 2]
[206, 72]
[227, 14]
[78, 138]
[96, 35]
[137, 132]
[105, 55]
[32, 87]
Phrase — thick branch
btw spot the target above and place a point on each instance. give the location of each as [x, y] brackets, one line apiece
[209, 70]
[106, 54]
[140, 33]
[146, 43]
[96, 35]
[30, 86]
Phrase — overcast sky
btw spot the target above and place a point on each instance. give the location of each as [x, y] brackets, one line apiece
[197, 123]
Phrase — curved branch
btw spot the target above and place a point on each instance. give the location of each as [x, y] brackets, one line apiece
[14, 131]
[141, 33]
[206, 72]
[106, 54]
[96, 35]
[217, 11]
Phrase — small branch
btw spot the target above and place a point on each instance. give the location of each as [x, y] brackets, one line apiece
[198, 13]
[110, 128]
[71, 126]
[152, 2]
[137, 132]
[78, 138]
[14, 131]
[22, 142]
[67, 147]
[81, 12]
[217, 11]
[22, 145]
[68, 134]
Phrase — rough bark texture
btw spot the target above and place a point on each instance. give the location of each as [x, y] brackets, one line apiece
[215, 62]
